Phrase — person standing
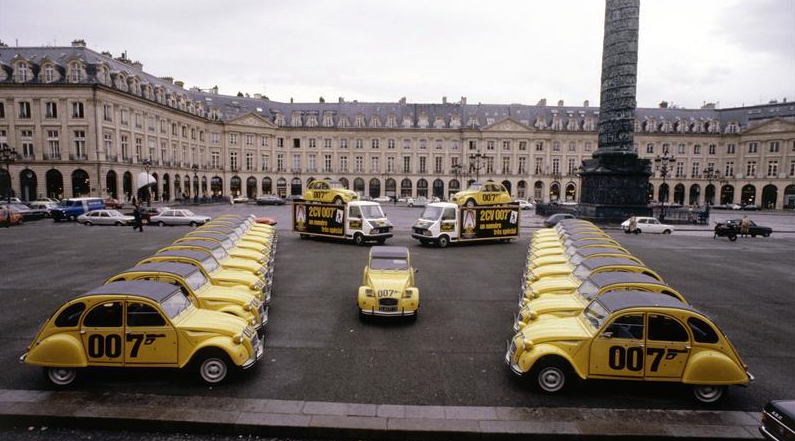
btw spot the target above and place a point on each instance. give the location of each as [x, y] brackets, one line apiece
[137, 222]
[745, 225]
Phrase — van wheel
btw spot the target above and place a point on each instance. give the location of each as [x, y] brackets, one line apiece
[358, 239]
[338, 201]
[161, 224]
[470, 203]
[60, 377]
[667, 232]
[551, 374]
[212, 367]
[444, 241]
[708, 394]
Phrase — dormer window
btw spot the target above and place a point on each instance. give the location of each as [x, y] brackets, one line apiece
[455, 121]
[49, 73]
[359, 121]
[375, 121]
[343, 121]
[328, 119]
[473, 121]
[541, 123]
[279, 119]
[423, 122]
[588, 125]
[572, 125]
[22, 74]
[311, 121]
[121, 83]
[406, 122]
[438, 123]
[75, 72]
[391, 121]
[296, 121]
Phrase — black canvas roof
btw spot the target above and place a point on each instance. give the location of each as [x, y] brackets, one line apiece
[199, 243]
[613, 277]
[388, 252]
[599, 262]
[617, 300]
[599, 250]
[216, 236]
[216, 227]
[149, 289]
[176, 268]
[577, 243]
[187, 253]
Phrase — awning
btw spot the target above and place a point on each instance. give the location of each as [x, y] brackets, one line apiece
[145, 179]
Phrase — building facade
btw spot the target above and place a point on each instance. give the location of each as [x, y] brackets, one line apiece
[86, 123]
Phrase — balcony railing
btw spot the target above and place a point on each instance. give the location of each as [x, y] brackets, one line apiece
[51, 156]
[75, 157]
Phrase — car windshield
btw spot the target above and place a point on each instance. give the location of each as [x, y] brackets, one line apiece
[596, 314]
[581, 272]
[220, 254]
[195, 280]
[588, 289]
[228, 244]
[431, 213]
[388, 263]
[372, 211]
[174, 304]
[475, 186]
[335, 185]
[210, 264]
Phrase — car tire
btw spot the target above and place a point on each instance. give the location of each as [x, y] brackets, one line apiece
[212, 367]
[423, 241]
[708, 394]
[410, 204]
[161, 224]
[358, 239]
[637, 231]
[732, 237]
[60, 377]
[192, 224]
[470, 203]
[626, 231]
[753, 234]
[338, 201]
[413, 317]
[766, 235]
[119, 224]
[667, 232]
[443, 241]
[304, 236]
[381, 240]
[88, 224]
[551, 374]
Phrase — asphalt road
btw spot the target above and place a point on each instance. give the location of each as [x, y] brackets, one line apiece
[317, 349]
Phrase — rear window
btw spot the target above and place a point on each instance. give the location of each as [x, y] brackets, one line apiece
[70, 316]
[702, 331]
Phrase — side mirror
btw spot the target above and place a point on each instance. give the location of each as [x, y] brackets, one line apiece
[607, 334]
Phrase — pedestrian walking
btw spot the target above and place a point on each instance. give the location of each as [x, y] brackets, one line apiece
[137, 221]
[745, 225]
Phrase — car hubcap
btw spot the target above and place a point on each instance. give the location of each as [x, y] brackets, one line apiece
[551, 379]
[213, 370]
[61, 376]
[708, 394]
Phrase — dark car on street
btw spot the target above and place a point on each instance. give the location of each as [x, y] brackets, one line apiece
[553, 220]
[731, 229]
[270, 199]
[778, 420]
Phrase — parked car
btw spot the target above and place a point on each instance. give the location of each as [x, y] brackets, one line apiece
[104, 217]
[420, 201]
[43, 207]
[293, 197]
[10, 200]
[731, 229]
[270, 199]
[382, 199]
[647, 224]
[482, 193]
[388, 287]
[778, 420]
[148, 212]
[403, 199]
[329, 192]
[525, 205]
[25, 211]
[241, 200]
[553, 220]
[178, 217]
[265, 220]
[70, 209]
[113, 203]
[46, 200]
[751, 207]
[9, 216]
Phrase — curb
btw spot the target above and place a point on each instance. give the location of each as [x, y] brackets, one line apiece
[309, 419]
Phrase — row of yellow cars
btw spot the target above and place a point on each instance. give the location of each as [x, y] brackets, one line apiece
[200, 303]
[589, 309]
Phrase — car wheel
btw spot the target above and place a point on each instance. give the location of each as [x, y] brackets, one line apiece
[60, 377]
[667, 232]
[88, 223]
[637, 231]
[470, 203]
[411, 204]
[550, 375]
[213, 367]
[304, 236]
[626, 231]
[381, 240]
[192, 224]
[444, 241]
[766, 235]
[358, 239]
[708, 394]
[732, 237]
[753, 234]
[161, 224]
[338, 201]
[119, 224]
[414, 316]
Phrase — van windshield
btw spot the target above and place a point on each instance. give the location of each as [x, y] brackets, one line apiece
[431, 213]
[372, 211]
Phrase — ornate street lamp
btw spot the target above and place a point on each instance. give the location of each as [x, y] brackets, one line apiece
[7, 157]
[712, 175]
[475, 163]
[195, 168]
[661, 164]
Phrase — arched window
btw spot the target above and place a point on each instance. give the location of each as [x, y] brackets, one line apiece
[236, 185]
[217, 186]
[75, 72]
[295, 187]
[375, 188]
[391, 188]
[251, 187]
[571, 192]
[679, 194]
[438, 188]
[267, 185]
[422, 187]
[358, 186]
[281, 187]
[695, 193]
[453, 187]
[538, 191]
[405, 188]
[345, 183]
[769, 196]
[521, 189]
[748, 194]
[554, 191]
[81, 185]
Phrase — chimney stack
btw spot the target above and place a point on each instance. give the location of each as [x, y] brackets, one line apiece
[179, 84]
[444, 100]
[586, 103]
[138, 65]
[79, 43]
[402, 100]
[169, 80]
[560, 103]
[542, 102]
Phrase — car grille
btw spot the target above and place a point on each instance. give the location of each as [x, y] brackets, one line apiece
[387, 302]
[255, 341]
[511, 351]
[419, 230]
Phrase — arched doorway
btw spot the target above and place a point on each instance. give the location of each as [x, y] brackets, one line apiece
[5, 184]
[391, 188]
[507, 184]
[295, 187]
[438, 188]
[375, 188]
[709, 194]
[789, 196]
[663, 193]
[81, 185]
[748, 194]
[177, 187]
[155, 186]
[554, 192]
[281, 187]
[679, 194]
[186, 185]
[251, 187]
[769, 196]
[111, 184]
[236, 185]
[126, 185]
[538, 191]
[216, 186]
[422, 188]
[453, 187]
[28, 184]
[521, 189]
[727, 194]
[405, 188]
[695, 192]
[267, 186]
[344, 182]
[166, 187]
[195, 187]
[649, 193]
[54, 184]
[571, 192]
[358, 186]
[204, 186]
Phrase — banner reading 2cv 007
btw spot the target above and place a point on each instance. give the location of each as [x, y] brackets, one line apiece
[321, 219]
[489, 222]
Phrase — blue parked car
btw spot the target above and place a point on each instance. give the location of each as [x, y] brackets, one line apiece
[69, 209]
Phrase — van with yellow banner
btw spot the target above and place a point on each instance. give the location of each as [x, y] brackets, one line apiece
[443, 223]
[357, 221]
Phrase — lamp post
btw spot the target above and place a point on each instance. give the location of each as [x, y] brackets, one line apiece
[475, 163]
[195, 168]
[147, 163]
[712, 175]
[458, 173]
[7, 157]
[661, 164]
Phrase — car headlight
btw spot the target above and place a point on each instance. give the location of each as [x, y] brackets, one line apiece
[238, 339]
[527, 344]
[247, 307]
[373, 230]
[369, 292]
[407, 294]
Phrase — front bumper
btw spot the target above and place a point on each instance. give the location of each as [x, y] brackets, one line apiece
[401, 313]
[509, 359]
[259, 351]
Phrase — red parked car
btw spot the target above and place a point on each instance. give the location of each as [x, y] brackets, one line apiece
[113, 203]
[265, 220]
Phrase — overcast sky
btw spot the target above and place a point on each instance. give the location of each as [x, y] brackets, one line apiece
[727, 51]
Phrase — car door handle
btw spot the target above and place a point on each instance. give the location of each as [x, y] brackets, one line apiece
[641, 345]
[82, 332]
[687, 348]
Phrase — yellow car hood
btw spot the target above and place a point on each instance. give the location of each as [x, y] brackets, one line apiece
[463, 193]
[237, 276]
[237, 262]
[388, 283]
[555, 259]
[555, 284]
[248, 254]
[563, 329]
[203, 320]
[552, 304]
[226, 294]
[561, 269]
